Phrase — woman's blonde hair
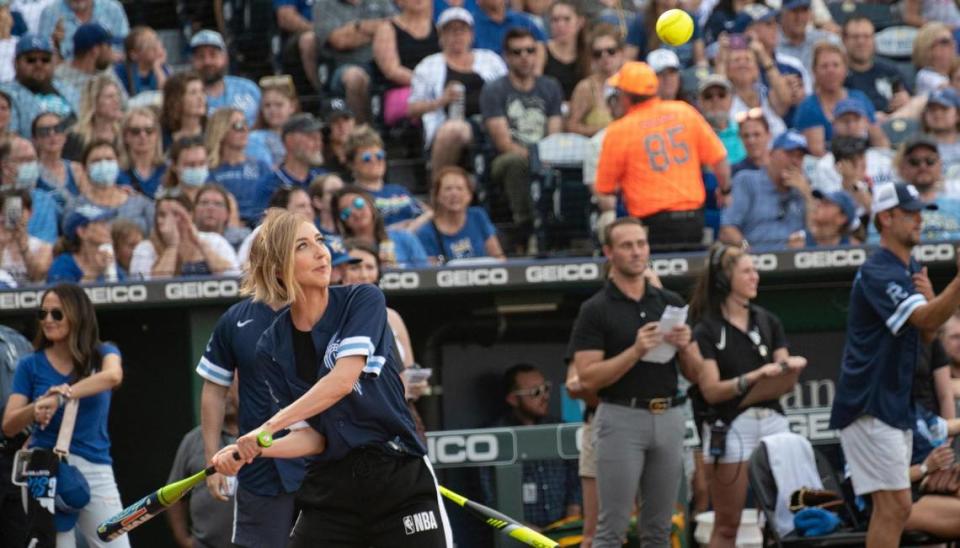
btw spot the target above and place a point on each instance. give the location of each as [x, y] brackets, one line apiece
[923, 43]
[286, 90]
[146, 112]
[88, 106]
[217, 127]
[270, 274]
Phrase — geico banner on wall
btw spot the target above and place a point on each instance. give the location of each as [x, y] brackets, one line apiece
[28, 299]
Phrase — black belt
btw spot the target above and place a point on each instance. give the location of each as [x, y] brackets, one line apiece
[654, 405]
[688, 214]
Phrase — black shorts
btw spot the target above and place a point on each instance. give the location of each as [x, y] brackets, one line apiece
[371, 498]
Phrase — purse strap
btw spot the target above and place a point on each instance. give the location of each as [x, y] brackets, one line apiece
[62, 449]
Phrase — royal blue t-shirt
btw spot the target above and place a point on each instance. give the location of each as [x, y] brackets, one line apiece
[396, 204]
[281, 178]
[244, 181]
[43, 221]
[375, 412]
[303, 7]
[64, 268]
[488, 34]
[133, 81]
[810, 113]
[882, 348]
[407, 251]
[232, 351]
[35, 374]
[469, 241]
[147, 186]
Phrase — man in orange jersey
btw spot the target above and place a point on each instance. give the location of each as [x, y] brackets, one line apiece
[654, 155]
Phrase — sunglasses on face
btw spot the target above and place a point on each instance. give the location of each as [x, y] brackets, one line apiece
[720, 94]
[138, 131]
[917, 161]
[368, 157]
[46, 131]
[756, 113]
[55, 314]
[238, 126]
[34, 59]
[535, 392]
[598, 53]
[520, 51]
[357, 204]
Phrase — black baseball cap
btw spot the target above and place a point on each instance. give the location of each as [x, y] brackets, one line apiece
[302, 122]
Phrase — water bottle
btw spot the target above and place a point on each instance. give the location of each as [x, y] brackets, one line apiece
[458, 108]
[110, 274]
[938, 430]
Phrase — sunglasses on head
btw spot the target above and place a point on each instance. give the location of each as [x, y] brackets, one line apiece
[137, 131]
[357, 204]
[535, 392]
[55, 314]
[238, 126]
[520, 51]
[34, 59]
[368, 157]
[756, 113]
[930, 161]
[46, 131]
[598, 53]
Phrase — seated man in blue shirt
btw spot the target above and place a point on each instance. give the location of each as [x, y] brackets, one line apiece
[208, 54]
[920, 165]
[304, 158]
[769, 206]
[73, 13]
[34, 90]
[19, 169]
[492, 19]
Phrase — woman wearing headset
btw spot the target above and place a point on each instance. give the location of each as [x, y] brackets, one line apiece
[746, 368]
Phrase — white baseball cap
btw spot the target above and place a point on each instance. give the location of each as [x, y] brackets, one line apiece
[663, 59]
[450, 15]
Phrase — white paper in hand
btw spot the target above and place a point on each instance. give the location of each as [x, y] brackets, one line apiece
[664, 352]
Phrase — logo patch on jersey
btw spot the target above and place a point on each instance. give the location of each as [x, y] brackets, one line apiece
[419, 522]
[243, 323]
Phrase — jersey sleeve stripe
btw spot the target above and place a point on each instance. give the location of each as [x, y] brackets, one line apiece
[214, 373]
[374, 365]
[900, 316]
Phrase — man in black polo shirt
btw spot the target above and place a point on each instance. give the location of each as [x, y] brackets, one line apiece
[639, 425]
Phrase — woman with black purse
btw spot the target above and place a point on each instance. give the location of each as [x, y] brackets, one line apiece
[71, 363]
[746, 368]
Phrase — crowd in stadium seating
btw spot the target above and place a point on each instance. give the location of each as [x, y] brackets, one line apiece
[118, 165]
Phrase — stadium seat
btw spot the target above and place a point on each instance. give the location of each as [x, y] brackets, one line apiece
[853, 533]
[562, 203]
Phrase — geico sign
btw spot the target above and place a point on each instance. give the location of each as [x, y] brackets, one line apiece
[933, 252]
[765, 262]
[117, 294]
[457, 449]
[829, 258]
[472, 277]
[207, 289]
[562, 273]
[400, 280]
[670, 267]
[20, 300]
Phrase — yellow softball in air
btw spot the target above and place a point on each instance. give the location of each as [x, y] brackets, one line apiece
[675, 27]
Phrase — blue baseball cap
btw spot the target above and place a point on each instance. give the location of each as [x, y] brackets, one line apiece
[338, 253]
[890, 195]
[207, 37]
[845, 202]
[33, 42]
[813, 522]
[944, 97]
[752, 13]
[89, 36]
[84, 215]
[795, 4]
[849, 106]
[73, 493]
[790, 140]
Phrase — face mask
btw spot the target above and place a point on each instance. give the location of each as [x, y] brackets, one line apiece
[104, 172]
[194, 176]
[27, 175]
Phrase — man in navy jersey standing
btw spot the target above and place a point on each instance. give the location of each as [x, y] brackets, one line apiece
[264, 502]
[886, 319]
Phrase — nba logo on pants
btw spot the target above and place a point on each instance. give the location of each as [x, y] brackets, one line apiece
[421, 521]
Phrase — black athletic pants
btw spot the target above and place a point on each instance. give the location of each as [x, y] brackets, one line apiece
[371, 498]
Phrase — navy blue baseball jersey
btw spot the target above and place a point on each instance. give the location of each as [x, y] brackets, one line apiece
[375, 413]
[232, 351]
[882, 348]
